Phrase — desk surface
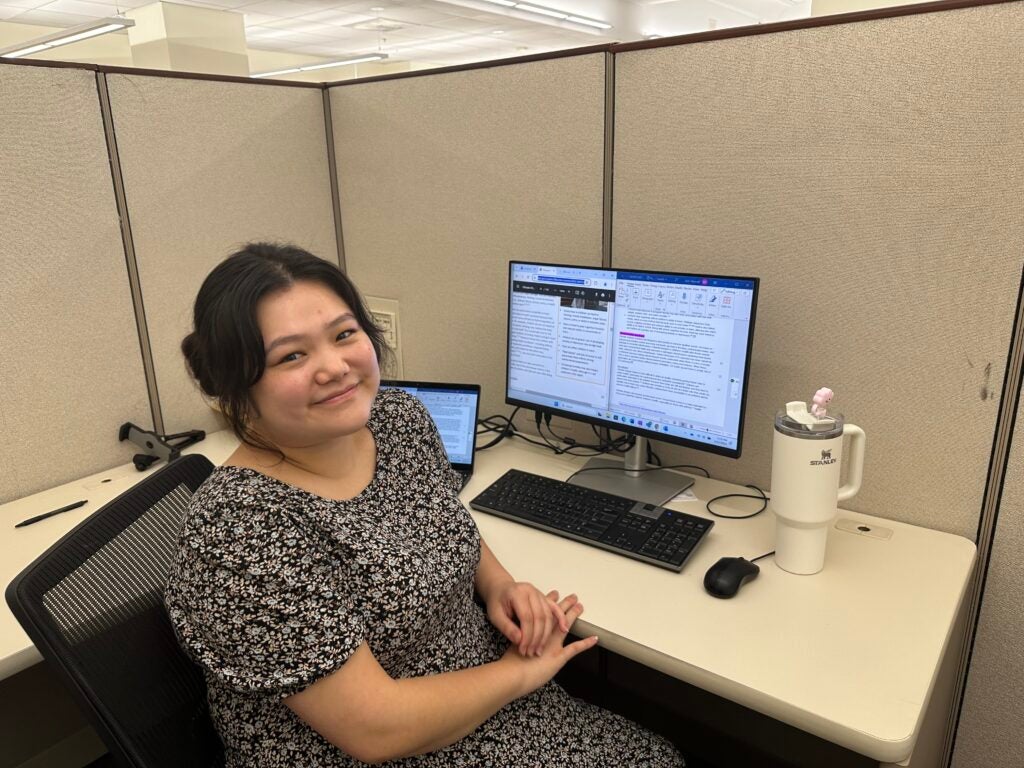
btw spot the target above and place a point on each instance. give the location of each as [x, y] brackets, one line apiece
[850, 654]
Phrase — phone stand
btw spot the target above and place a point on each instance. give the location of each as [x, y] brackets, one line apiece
[156, 446]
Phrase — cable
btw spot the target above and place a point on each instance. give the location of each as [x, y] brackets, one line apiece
[762, 557]
[506, 429]
[648, 469]
[652, 457]
[763, 498]
[601, 448]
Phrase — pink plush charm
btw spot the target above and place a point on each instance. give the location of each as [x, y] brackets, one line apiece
[821, 400]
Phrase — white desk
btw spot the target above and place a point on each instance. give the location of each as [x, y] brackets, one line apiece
[850, 654]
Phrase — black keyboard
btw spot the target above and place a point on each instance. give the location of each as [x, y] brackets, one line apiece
[655, 535]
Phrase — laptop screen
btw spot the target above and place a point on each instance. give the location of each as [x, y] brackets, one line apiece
[454, 408]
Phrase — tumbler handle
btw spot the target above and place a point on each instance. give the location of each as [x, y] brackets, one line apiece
[856, 471]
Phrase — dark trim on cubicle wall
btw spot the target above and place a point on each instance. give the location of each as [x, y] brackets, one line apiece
[1009, 404]
[332, 172]
[110, 70]
[609, 160]
[50, 64]
[128, 243]
[202, 76]
[563, 54]
[808, 23]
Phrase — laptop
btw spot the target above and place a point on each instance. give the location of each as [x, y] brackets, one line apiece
[455, 409]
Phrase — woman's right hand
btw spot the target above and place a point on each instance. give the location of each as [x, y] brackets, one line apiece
[537, 670]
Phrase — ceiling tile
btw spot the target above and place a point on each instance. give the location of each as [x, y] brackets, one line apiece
[337, 17]
[51, 19]
[227, 5]
[298, 25]
[95, 10]
[416, 15]
[25, 4]
[285, 9]
[258, 18]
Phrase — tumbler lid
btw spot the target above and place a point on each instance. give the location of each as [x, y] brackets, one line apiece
[815, 428]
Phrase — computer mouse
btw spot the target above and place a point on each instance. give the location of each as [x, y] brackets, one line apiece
[725, 577]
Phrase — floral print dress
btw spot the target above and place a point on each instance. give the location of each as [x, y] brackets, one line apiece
[274, 587]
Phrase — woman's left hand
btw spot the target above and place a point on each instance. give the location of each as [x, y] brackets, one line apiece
[525, 615]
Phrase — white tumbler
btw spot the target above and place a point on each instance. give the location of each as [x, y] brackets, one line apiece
[807, 453]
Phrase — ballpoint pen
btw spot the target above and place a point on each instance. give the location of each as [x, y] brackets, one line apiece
[45, 515]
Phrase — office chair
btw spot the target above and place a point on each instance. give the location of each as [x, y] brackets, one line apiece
[93, 606]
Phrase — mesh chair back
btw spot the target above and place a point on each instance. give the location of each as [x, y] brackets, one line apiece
[93, 606]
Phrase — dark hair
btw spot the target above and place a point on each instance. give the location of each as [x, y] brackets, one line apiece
[225, 353]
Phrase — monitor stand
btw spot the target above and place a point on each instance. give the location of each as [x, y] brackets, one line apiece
[622, 479]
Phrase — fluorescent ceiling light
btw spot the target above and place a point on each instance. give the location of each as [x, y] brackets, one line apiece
[25, 51]
[325, 65]
[90, 33]
[531, 7]
[360, 60]
[555, 14]
[542, 11]
[589, 22]
[70, 35]
[277, 72]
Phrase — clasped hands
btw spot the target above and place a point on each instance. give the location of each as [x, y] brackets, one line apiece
[529, 618]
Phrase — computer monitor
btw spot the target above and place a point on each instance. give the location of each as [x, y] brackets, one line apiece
[659, 355]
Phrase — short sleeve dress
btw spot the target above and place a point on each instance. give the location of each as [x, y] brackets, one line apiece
[274, 588]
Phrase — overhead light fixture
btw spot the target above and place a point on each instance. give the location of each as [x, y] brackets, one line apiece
[325, 65]
[553, 13]
[589, 22]
[542, 11]
[65, 36]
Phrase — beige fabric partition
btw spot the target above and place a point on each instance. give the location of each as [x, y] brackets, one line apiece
[445, 178]
[208, 166]
[72, 371]
[870, 174]
[993, 709]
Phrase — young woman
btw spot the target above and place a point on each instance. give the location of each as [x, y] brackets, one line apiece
[326, 573]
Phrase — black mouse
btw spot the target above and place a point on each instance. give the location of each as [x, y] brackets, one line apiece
[725, 577]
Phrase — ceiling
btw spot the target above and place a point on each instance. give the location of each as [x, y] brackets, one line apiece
[435, 32]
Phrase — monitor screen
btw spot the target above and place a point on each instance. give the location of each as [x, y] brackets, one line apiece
[657, 354]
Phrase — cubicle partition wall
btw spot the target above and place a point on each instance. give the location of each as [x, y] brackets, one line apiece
[444, 178]
[208, 166]
[870, 174]
[71, 370]
[993, 709]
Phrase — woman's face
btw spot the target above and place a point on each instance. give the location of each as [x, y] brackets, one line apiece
[321, 371]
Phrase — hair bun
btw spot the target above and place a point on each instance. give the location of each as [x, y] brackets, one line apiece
[196, 364]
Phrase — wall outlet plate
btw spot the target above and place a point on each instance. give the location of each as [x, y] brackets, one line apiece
[385, 315]
[864, 529]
